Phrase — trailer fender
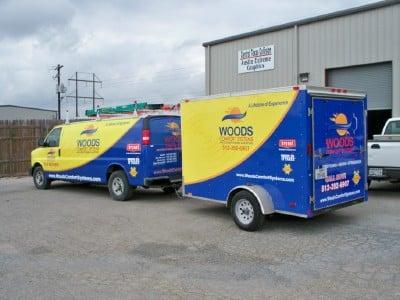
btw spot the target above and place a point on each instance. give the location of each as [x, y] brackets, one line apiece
[262, 196]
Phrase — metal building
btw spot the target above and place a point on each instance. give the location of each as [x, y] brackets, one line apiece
[357, 48]
[13, 112]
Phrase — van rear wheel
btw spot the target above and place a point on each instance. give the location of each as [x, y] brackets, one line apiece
[40, 180]
[246, 211]
[118, 186]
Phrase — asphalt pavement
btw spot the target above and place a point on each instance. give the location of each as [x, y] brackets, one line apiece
[74, 242]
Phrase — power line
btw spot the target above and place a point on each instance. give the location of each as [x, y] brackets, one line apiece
[159, 79]
[95, 80]
[158, 72]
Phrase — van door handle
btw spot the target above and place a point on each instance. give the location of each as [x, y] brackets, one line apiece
[375, 146]
[59, 152]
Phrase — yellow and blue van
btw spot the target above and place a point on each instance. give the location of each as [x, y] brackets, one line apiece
[123, 153]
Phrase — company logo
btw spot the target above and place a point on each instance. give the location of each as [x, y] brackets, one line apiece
[174, 127]
[287, 169]
[133, 148]
[134, 161]
[356, 177]
[51, 154]
[88, 144]
[234, 114]
[344, 129]
[287, 143]
[133, 172]
[89, 130]
[341, 124]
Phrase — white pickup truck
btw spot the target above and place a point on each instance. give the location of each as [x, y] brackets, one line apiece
[384, 153]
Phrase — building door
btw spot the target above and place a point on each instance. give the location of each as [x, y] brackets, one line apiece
[376, 81]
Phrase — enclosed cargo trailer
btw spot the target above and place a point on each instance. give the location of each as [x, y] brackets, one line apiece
[298, 150]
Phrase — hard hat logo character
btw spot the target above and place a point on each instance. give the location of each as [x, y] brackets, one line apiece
[174, 127]
[341, 124]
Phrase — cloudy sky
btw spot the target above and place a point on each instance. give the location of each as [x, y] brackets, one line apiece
[145, 50]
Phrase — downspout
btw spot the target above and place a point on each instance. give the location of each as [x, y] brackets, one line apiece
[296, 54]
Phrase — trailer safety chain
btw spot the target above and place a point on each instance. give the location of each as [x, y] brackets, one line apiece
[179, 194]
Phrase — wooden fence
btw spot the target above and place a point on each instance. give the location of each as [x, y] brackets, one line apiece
[17, 140]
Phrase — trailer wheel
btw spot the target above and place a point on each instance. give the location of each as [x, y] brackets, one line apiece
[40, 180]
[118, 186]
[246, 211]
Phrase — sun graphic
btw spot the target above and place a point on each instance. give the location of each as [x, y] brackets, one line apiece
[234, 111]
[174, 127]
[340, 119]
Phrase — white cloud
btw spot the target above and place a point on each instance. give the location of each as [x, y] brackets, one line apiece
[146, 50]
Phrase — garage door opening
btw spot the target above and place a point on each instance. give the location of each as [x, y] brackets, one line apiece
[376, 81]
[376, 121]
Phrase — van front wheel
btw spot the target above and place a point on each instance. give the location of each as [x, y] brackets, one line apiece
[246, 211]
[40, 180]
[118, 186]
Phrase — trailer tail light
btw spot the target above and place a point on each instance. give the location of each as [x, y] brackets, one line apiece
[309, 150]
[296, 88]
[146, 137]
[344, 91]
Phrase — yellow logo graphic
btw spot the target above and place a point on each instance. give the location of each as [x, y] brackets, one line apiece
[51, 154]
[174, 127]
[133, 172]
[356, 177]
[89, 130]
[234, 114]
[287, 169]
[342, 125]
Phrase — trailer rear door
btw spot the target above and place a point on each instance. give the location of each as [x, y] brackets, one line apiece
[339, 151]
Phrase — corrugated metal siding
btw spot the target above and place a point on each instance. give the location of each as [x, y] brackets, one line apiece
[363, 38]
[375, 80]
[21, 113]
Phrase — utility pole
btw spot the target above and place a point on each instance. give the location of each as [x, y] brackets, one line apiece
[77, 97]
[94, 92]
[76, 94]
[58, 69]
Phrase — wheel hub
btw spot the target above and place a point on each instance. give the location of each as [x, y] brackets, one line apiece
[118, 186]
[39, 177]
[244, 211]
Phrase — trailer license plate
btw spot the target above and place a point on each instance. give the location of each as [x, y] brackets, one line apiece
[375, 172]
[321, 173]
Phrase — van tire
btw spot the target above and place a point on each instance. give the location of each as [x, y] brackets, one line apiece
[246, 211]
[39, 179]
[118, 186]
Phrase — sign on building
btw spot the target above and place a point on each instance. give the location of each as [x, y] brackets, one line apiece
[256, 59]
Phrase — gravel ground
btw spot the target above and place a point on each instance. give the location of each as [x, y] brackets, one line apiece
[73, 241]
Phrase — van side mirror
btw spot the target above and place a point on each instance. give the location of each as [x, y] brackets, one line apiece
[41, 142]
